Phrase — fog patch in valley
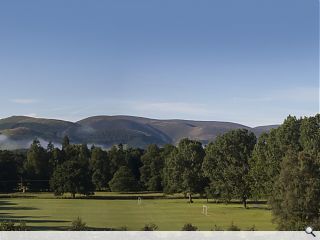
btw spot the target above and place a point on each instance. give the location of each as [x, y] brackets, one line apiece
[6, 143]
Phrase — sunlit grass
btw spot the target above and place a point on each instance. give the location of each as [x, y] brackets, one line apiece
[49, 213]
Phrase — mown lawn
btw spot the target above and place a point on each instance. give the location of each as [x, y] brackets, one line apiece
[169, 214]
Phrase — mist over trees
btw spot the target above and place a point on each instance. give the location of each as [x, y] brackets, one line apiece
[281, 166]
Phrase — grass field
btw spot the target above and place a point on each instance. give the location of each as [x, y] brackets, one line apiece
[43, 212]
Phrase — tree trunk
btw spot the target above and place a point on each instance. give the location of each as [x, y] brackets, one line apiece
[73, 195]
[244, 200]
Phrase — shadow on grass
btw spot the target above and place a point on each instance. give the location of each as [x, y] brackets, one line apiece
[63, 228]
[259, 208]
[9, 217]
[17, 208]
[124, 197]
[6, 205]
[47, 228]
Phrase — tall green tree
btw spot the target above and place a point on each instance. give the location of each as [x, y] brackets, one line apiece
[293, 135]
[123, 181]
[65, 142]
[50, 150]
[10, 174]
[71, 177]
[37, 167]
[182, 171]
[310, 134]
[295, 200]
[227, 164]
[133, 160]
[167, 150]
[288, 135]
[100, 167]
[117, 158]
[55, 157]
[152, 169]
[265, 165]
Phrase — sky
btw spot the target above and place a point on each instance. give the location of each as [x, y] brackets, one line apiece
[252, 62]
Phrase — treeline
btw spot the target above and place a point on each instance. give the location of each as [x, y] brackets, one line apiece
[282, 166]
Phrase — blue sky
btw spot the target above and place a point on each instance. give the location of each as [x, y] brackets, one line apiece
[251, 61]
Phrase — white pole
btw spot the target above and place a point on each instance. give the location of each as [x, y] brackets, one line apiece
[205, 210]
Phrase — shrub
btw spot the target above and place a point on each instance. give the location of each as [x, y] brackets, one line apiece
[123, 228]
[253, 228]
[22, 227]
[7, 226]
[150, 227]
[10, 226]
[233, 227]
[78, 225]
[216, 228]
[189, 227]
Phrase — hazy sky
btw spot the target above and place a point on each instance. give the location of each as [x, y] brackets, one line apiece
[246, 61]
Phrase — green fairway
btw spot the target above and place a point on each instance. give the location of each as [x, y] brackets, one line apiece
[168, 214]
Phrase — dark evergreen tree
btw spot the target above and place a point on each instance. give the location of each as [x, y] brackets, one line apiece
[133, 161]
[10, 173]
[65, 142]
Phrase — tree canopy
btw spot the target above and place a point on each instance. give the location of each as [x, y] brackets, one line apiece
[71, 177]
[123, 181]
[226, 164]
[182, 171]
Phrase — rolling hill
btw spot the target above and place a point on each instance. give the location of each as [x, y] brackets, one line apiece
[19, 131]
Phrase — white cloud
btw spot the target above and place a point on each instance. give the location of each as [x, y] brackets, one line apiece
[23, 100]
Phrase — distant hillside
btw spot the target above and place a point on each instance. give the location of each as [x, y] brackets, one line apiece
[261, 129]
[19, 131]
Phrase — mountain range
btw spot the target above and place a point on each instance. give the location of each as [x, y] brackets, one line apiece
[17, 132]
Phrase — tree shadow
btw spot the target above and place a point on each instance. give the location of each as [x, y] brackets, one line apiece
[48, 228]
[17, 208]
[7, 203]
[10, 217]
[259, 208]
[35, 220]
